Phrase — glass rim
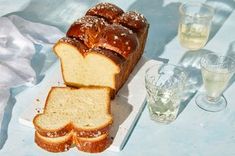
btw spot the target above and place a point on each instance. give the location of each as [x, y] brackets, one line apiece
[212, 10]
[166, 64]
[219, 56]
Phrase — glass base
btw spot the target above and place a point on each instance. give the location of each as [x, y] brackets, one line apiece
[165, 118]
[211, 106]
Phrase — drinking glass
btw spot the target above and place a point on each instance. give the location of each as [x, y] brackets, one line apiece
[216, 73]
[194, 25]
[164, 85]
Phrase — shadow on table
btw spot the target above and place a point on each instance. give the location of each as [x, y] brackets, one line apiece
[59, 13]
[121, 110]
[6, 120]
[231, 50]
[223, 9]
[231, 53]
[191, 63]
[42, 61]
[164, 19]
[163, 24]
[191, 60]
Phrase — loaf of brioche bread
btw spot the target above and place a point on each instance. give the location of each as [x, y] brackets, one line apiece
[81, 116]
[103, 47]
[98, 54]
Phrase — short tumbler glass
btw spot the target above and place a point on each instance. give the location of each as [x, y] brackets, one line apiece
[194, 25]
[164, 85]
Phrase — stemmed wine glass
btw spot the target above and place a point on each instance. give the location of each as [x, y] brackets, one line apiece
[216, 73]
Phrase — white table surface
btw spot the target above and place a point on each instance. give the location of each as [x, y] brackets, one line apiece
[194, 133]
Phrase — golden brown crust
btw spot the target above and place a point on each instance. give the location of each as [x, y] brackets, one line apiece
[87, 29]
[53, 133]
[132, 20]
[105, 10]
[92, 133]
[94, 145]
[131, 61]
[113, 37]
[119, 39]
[62, 144]
[54, 146]
[115, 57]
[82, 48]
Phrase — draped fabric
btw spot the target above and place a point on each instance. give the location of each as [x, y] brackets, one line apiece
[24, 53]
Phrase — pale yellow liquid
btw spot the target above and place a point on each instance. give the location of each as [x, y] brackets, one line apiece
[193, 36]
[163, 105]
[215, 82]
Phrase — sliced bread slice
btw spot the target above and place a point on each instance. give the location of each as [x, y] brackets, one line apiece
[64, 143]
[84, 110]
[93, 145]
[59, 144]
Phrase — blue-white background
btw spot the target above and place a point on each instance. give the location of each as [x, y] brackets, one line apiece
[194, 133]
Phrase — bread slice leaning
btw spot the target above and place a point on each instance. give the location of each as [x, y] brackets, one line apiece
[85, 111]
[64, 143]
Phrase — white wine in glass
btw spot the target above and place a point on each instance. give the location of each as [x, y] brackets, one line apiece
[215, 81]
[194, 24]
[164, 85]
[216, 73]
[193, 36]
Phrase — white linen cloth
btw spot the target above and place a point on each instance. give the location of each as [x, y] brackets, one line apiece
[20, 41]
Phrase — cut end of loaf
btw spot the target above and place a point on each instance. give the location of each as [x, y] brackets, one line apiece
[86, 69]
[67, 108]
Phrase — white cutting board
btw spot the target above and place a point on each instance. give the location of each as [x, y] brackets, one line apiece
[126, 107]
